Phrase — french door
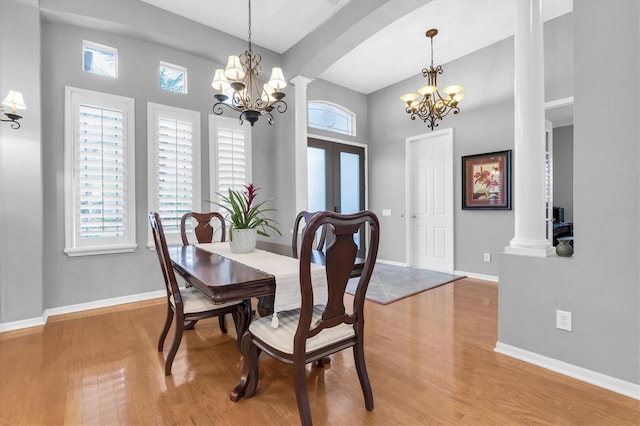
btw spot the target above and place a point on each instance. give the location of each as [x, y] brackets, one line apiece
[336, 179]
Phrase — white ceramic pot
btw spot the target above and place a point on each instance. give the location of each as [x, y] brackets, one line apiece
[243, 240]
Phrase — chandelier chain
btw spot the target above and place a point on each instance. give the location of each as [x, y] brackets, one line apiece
[431, 51]
[250, 26]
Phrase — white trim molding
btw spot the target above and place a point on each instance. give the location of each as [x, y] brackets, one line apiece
[492, 278]
[104, 303]
[622, 387]
[124, 241]
[392, 262]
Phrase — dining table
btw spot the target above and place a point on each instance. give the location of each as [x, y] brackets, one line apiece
[223, 279]
[270, 274]
[223, 276]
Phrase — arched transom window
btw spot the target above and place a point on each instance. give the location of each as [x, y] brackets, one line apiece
[331, 117]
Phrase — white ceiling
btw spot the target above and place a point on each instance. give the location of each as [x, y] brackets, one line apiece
[396, 52]
[275, 24]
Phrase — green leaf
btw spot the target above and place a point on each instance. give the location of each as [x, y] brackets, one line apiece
[243, 214]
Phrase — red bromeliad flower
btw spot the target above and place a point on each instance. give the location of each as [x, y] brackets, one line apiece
[245, 211]
[250, 195]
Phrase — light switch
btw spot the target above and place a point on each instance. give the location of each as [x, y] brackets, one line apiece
[386, 212]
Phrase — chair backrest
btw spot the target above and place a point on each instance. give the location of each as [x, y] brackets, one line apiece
[306, 217]
[163, 257]
[204, 229]
[340, 256]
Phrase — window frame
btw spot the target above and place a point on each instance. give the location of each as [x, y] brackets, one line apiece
[74, 246]
[154, 111]
[176, 68]
[337, 107]
[104, 48]
[216, 122]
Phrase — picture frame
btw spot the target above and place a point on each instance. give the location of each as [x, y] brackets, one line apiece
[486, 181]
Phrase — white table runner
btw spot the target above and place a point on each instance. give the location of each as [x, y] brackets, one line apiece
[285, 269]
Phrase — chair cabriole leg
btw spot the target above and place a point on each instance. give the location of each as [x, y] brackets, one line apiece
[300, 384]
[363, 376]
[165, 330]
[175, 345]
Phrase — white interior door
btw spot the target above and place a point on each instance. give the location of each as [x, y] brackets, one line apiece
[430, 201]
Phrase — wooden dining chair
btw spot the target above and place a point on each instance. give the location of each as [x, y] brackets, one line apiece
[300, 227]
[187, 305]
[313, 332]
[206, 225]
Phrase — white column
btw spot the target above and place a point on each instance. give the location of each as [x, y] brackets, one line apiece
[529, 147]
[300, 148]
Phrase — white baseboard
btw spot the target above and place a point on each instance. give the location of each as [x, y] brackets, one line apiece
[18, 325]
[391, 262]
[493, 278]
[38, 321]
[622, 387]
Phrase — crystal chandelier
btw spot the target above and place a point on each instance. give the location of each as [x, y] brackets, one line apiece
[432, 106]
[250, 97]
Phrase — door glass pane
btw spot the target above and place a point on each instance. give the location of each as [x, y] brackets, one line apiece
[349, 182]
[350, 185]
[317, 178]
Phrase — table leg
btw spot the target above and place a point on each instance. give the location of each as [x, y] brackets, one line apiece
[248, 382]
[242, 318]
[265, 305]
[238, 392]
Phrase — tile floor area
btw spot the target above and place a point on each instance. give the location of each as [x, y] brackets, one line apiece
[390, 283]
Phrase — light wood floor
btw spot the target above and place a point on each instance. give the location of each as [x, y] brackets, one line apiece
[430, 359]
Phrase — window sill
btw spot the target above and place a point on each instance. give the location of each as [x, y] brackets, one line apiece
[97, 250]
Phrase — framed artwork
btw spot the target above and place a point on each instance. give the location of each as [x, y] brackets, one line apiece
[486, 181]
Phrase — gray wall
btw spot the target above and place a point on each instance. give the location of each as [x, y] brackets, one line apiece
[485, 124]
[563, 170]
[600, 283]
[82, 279]
[21, 232]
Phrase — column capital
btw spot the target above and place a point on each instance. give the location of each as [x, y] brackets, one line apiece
[300, 81]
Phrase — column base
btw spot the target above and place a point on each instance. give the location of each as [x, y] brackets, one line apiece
[525, 247]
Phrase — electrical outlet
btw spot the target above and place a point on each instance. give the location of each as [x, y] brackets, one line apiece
[563, 320]
[487, 257]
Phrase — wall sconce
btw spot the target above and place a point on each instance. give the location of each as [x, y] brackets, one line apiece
[15, 101]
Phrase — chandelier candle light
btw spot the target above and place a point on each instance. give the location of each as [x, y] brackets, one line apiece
[432, 106]
[250, 97]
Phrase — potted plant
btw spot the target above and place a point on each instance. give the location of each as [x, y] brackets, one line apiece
[246, 217]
